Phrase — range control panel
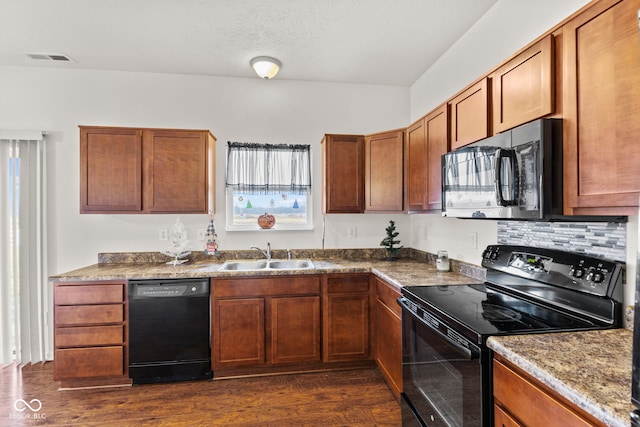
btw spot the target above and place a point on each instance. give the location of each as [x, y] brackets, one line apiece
[566, 269]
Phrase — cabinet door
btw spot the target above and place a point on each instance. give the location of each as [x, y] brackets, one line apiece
[176, 171]
[110, 170]
[426, 141]
[470, 115]
[437, 136]
[294, 329]
[384, 170]
[346, 314]
[416, 167]
[523, 87]
[238, 332]
[389, 336]
[343, 169]
[601, 107]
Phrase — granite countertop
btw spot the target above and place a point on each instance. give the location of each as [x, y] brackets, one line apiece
[404, 272]
[592, 369]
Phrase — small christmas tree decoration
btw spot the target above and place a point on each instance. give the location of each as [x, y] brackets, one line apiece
[389, 242]
[179, 246]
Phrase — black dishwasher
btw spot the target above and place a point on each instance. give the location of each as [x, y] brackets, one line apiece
[169, 330]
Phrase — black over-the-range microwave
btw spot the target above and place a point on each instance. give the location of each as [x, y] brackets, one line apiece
[515, 174]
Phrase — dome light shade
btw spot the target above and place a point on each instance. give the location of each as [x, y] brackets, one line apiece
[266, 67]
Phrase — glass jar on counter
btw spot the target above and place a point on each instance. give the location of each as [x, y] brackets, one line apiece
[442, 261]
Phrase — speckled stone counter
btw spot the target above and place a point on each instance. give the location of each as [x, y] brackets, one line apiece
[405, 272]
[592, 369]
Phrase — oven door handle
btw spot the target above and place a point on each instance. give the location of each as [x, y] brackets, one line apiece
[469, 353]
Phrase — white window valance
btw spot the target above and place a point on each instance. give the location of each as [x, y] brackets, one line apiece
[268, 168]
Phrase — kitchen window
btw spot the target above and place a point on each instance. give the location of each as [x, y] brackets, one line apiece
[272, 179]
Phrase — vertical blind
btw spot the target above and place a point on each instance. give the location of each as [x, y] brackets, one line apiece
[23, 272]
[268, 168]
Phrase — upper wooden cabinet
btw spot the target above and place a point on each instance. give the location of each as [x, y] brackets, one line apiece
[129, 170]
[343, 173]
[110, 170]
[426, 141]
[384, 171]
[523, 88]
[416, 167]
[601, 108]
[470, 114]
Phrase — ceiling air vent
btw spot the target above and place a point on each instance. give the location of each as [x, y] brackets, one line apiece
[50, 57]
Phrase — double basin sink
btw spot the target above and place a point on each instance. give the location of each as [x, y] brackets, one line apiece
[267, 264]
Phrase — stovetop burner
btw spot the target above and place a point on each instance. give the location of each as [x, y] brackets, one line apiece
[497, 313]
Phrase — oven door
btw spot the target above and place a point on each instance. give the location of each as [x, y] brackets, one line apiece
[441, 373]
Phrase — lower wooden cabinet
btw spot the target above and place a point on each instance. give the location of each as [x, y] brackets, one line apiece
[238, 332]
[520, 400]
[388, 353]
[90, 333]
[503, 419]
[265, 321]
[89, 362]
[346, 317]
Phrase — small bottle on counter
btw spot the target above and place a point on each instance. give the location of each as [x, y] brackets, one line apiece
[442, 262]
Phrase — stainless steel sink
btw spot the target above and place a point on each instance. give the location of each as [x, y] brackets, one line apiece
[284, 264]
[243, 265]
[290, 264]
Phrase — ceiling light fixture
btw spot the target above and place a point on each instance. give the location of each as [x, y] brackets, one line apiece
[266, 66]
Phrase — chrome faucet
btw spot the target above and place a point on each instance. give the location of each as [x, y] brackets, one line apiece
[266, 254]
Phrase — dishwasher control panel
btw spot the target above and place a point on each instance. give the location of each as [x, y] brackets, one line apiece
[168, 288]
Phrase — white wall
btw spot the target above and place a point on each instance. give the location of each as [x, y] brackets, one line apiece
[506, 28]
[277, 111]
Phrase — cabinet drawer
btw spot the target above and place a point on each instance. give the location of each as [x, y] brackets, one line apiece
[89, 335]
[388, 296]
[251, 286]
[348, 283]
[92, 294]
[89, 314]
[531, 405]
[89, 362]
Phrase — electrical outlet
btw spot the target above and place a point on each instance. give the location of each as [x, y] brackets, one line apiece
[202, 233]
[352, 231]
[425, 233]
[473, 240]
[163, 235]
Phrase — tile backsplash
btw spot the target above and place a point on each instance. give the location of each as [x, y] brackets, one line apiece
[600, 239]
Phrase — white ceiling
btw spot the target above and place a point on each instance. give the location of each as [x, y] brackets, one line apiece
[387, 42]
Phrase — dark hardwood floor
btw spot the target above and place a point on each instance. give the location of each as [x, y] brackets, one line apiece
[358, 397]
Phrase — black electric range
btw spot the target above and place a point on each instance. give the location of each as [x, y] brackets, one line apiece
[446, 364]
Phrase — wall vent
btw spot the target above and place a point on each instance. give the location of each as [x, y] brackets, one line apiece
[50, 57]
